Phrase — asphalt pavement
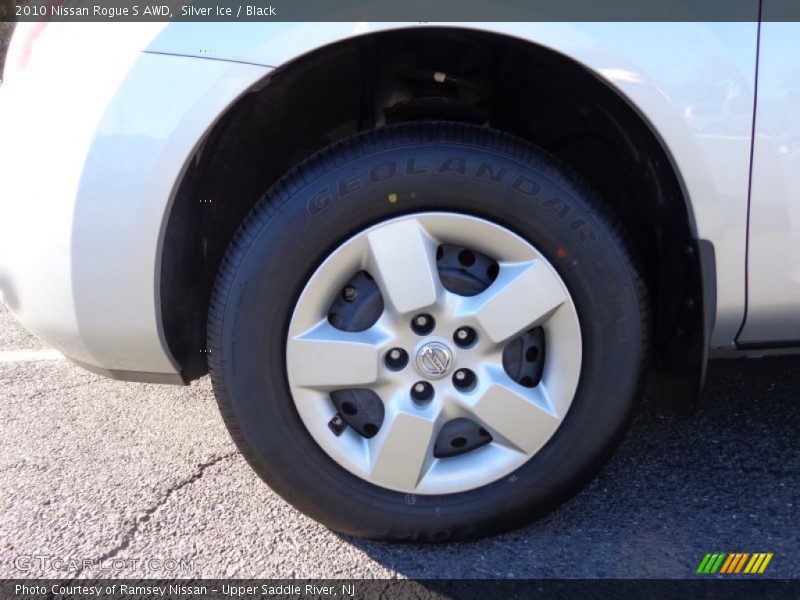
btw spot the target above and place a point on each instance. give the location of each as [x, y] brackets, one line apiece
[143, 481]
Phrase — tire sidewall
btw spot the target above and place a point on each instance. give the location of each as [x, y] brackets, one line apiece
[325, 202]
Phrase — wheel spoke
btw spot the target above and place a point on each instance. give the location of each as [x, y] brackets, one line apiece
[403, 449]
[518, 416]
[523, 296]
[403, 261]
[325, 357]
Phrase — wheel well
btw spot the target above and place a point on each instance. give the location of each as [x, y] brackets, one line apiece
[441, 74]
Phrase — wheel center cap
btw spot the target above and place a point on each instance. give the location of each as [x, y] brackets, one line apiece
[434, 359]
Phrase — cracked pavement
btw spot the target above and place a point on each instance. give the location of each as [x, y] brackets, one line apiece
[96, 469]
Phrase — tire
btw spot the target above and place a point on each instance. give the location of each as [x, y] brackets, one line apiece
[440, 175]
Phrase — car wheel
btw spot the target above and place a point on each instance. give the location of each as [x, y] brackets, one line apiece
[428, 332]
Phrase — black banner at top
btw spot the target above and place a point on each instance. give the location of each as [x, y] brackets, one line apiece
[398, 10]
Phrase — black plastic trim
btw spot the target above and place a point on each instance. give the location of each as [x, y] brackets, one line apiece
[686, 323]
[137, 376]
[777, 345]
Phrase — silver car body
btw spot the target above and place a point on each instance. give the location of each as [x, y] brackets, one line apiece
[95, 143]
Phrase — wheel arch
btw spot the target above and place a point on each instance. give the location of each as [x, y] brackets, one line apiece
[526, 89]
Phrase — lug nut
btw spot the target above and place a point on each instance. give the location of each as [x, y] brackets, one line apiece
[464, 379]
[423, 324]
[349, 293]
[464, 337]
[422, 391]
[337, 424]
[396, 358]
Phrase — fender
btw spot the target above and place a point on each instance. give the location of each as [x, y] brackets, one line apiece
[712, 168]
[666, 93]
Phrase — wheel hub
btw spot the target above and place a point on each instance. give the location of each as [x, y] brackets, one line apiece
[434, 359]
